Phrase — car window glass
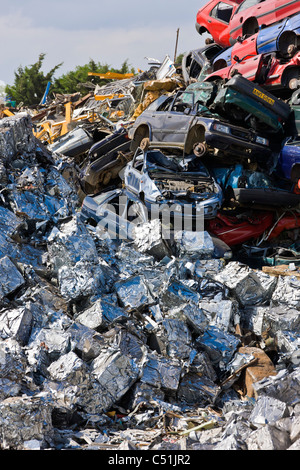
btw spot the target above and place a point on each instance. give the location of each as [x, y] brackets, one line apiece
[183, 100]
[165, 105]
[222, 11]
[138, 162]
[247, 4]
[156, 103]
[195, 69]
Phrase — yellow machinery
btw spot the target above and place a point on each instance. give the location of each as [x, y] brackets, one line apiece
[111, 76]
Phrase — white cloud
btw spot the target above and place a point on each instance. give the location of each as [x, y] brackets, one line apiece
[25, 38]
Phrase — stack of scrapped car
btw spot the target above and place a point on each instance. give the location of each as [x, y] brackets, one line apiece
[227, 20]
[257, 76]
[223, 141]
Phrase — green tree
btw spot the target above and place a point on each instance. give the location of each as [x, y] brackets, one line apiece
[30, 83]
[78, 79]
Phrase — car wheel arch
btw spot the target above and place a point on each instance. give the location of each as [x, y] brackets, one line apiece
[289, 74]
[288, 43]
[195, 136]
[142, 131]
[202, 30]
[295, 172]
[250, 26]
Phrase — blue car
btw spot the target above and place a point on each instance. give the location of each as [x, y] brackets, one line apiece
[248, 187]
[282, 38]
[289, 159]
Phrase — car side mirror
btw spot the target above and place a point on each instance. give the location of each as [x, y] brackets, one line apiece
[187, 111]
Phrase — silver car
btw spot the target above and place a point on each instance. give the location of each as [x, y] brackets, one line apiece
[182, 182]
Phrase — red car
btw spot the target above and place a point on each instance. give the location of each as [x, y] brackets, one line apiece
[214, 19]
[267, 70]
[227, 20]
[254, 14]
[234, 230]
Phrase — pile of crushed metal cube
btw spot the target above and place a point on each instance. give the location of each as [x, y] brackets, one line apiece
[146, 342]
[109, 344]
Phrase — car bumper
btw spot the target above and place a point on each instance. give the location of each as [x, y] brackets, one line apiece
[236, 146]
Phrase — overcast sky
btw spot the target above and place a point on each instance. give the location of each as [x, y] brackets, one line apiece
[109, 32]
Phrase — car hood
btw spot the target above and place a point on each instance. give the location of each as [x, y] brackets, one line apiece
[189, 187]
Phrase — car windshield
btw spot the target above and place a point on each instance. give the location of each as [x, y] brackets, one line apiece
[222, 11]
[247, 4]
[191, 164]
[204, 92]
[156, 158]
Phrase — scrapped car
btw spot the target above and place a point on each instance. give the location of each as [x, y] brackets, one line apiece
[248, 187]
[289, 220]
[104, 172]
[240, 228]
[117, 140]
[226, 20]
[181, 122]
[214, 17]
[171, 180]
[268, 70]
[245, 101]
[282, 38]
[118, 211]
[78, 141]
[105, 160]
[254, 14]
[199, 61]
[289, 159]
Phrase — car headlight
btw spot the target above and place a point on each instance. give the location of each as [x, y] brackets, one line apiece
[261, 140]
[222, 128]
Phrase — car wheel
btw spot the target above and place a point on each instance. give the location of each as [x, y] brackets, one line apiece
[145, 143]
[200, 149]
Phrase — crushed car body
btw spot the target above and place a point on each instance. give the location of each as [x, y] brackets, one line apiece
[177, 182]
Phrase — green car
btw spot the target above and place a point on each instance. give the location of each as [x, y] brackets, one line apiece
[245, 102]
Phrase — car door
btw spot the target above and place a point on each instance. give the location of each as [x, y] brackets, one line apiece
[285, 8]
[219, 17]
[157, 119]
[133, 173]
[178, 118]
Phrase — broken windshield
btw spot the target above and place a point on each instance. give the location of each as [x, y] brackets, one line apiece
[157, 160]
